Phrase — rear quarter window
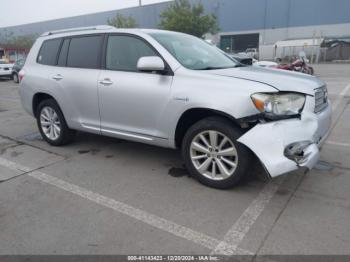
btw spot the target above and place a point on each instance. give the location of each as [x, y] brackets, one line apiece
[48, 52]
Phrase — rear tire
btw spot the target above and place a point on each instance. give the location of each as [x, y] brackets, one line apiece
[15, 78]
[52, 125]
[212, 154]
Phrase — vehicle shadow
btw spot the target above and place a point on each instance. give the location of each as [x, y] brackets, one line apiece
[171, 158]
[112, 148]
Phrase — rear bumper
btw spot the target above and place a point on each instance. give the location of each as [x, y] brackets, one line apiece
[5, 73]
[288, 145]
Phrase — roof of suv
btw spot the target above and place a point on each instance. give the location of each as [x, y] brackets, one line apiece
[100, 29]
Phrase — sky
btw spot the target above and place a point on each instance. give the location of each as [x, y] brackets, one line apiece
[28, 11]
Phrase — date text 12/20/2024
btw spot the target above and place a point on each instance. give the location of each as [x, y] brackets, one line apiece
[173, 258]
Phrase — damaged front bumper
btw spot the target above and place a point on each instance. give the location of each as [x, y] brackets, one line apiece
[287, 145]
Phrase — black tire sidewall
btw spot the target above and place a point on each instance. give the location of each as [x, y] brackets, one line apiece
[15, 78]
[233, 133]
[65, 131]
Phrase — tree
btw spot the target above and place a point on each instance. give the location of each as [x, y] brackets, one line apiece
[120, 21]
[181, 16]
[20, 41]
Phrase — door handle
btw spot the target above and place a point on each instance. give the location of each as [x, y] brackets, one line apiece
[106, 82]
[57, 77]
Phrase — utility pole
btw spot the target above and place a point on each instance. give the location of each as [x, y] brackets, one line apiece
[140, 2]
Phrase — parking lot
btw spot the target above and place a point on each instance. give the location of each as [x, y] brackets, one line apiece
[106, 196]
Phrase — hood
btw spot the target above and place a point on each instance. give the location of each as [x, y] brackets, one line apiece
[282, 80]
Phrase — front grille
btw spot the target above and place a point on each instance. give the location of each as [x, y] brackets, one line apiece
[321, 99]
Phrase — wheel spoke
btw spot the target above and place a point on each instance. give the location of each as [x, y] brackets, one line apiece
[43, 116]
[231, 151]
[229, 162]
[46, 113]
[224, 172]
[213, 170]
[205, 141]
[54, 117]
[213, 138]
[45, 123]
[199, 157]
[55, 133]
[52, 135]
[198, 147]
[223, 142]
[204, 167]
[50, 112]
[57, 128]
[46, 130]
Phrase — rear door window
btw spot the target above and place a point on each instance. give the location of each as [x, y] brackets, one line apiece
[84, 52]
[48, 52]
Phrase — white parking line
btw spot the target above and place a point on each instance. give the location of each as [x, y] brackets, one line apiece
[340, 97]
[242, 226]
[10, 99]
[138, 214]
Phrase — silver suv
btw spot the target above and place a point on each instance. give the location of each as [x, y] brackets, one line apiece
[177, 91]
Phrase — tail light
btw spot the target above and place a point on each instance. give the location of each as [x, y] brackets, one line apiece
[21, 75]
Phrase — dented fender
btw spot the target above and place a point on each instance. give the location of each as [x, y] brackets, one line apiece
[269, 140]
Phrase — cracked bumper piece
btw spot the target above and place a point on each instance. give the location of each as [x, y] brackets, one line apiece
[287, 145]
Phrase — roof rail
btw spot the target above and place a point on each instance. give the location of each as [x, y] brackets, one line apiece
[77, 29]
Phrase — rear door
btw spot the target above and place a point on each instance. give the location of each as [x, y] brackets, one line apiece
[75, 77]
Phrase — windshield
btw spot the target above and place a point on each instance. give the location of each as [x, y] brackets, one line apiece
[194, 53]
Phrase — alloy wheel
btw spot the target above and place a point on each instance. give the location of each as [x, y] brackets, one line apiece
[214, 155]
[50, 123]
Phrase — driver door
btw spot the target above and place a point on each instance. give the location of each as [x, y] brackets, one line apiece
[131, 102]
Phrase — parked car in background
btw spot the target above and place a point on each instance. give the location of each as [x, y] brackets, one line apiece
[252, 52]
[247, 60]
[5, 69]
[266, 64]
[174, 90]
[16, 68]
[242, 58]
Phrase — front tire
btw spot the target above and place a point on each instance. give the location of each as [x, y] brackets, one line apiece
[52, 125]
[212, 154]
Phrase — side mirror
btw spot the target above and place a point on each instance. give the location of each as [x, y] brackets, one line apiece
[150, 63]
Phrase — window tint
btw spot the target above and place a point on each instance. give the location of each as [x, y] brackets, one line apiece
[123, 52]
[48, 52]
[84, 52]
[62, 59]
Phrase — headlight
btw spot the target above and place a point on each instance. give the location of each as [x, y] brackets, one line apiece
[279, 104]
